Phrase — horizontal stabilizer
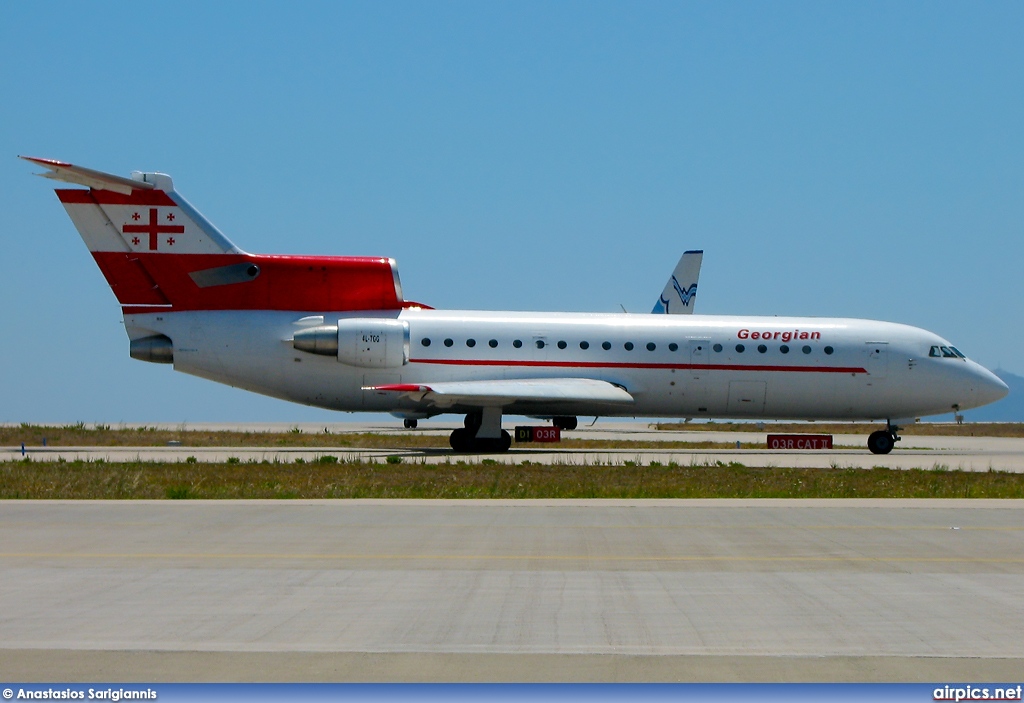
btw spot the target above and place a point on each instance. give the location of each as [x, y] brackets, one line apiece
[508, 391]
[69, 173]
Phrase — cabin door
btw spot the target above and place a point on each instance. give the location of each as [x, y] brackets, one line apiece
[697, 388]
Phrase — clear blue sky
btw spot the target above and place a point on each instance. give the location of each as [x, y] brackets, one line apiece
[861, 159]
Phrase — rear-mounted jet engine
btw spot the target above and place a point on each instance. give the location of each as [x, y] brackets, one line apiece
[364, 342]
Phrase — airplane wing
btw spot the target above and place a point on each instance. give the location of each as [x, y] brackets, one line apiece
[508, 391]
[69, 173]
[680, 292]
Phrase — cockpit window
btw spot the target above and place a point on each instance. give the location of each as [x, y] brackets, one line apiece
[946, 352]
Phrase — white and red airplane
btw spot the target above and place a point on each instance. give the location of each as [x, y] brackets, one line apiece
[337, 333]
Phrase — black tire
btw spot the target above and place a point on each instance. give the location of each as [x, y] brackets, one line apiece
[881, 442]
[460, 440]
[410, 424]
[566, 422]
[493, 445]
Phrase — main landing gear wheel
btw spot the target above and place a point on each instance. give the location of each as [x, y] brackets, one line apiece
[881, 442]
[465, 440]
[567, 422]
[410, 424]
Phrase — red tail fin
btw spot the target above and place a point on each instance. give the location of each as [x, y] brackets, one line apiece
[157, 251]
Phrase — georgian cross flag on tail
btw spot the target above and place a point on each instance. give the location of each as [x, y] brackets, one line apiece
[145, 222]
[153, 228]
[140, 214]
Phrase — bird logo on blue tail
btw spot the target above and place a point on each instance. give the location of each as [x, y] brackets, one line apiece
[685, 296]
[688, 270]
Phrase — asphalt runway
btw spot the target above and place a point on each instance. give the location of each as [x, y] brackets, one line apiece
[922, 452]
[762, 590]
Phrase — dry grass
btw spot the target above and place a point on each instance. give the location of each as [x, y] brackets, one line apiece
[102, 436]
[80, 435]
[333, 479]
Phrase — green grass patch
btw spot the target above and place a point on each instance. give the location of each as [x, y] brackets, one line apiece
[341, 479]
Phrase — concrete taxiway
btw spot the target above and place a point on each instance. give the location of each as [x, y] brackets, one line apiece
[913, 452]
[512, 590]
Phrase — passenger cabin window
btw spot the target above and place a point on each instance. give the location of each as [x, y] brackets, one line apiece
[606, 345]
[651, 346]
[584, 345]
[425, 341]
[806, 349]
[562, 345]
[717, 347]
[740, 348]
[541, 344]
[517, 343]
[628, 346]
[762, 348]
[784, 349]
[829, 350]
[493, 343]
[448, 342]
[470, 342]
[673, 346]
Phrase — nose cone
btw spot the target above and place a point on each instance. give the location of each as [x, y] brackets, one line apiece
[983, 387]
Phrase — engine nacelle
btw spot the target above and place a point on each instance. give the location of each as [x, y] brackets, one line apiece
[157, 349]
[367, 342]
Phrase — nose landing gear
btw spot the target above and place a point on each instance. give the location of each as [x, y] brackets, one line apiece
[883, 441]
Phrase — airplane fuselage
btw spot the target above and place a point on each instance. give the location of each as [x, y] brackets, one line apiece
[702, 366]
